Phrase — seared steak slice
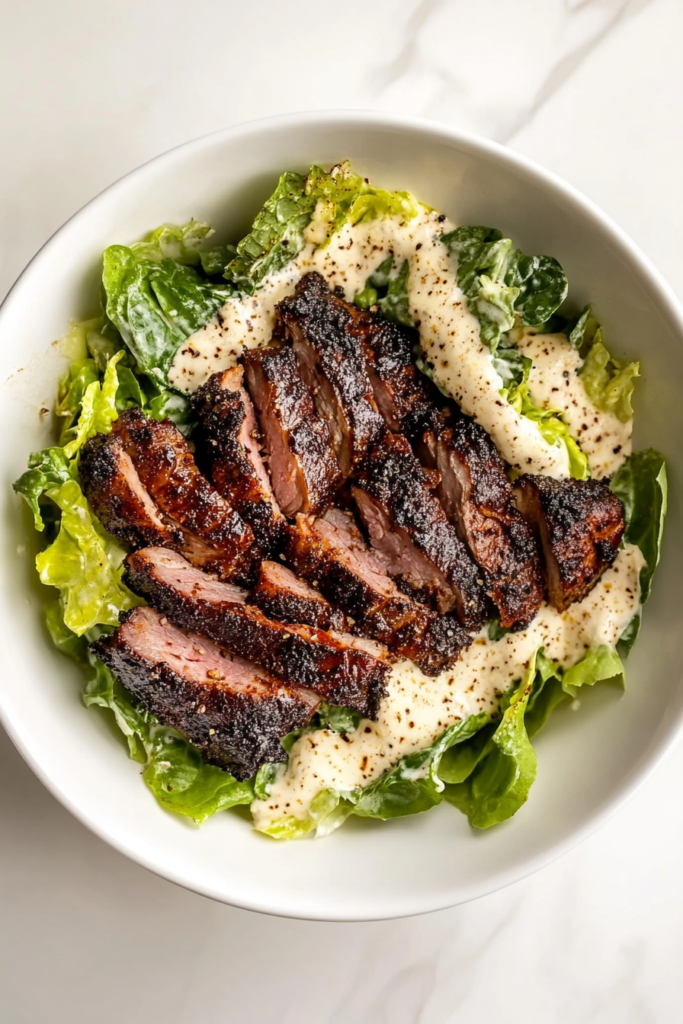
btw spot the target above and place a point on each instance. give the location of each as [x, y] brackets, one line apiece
[213, 536]
[478, 499]
[580, 524]
[235, 712]
[303, 468]
[341, 668]
[228, 440]
[406, 398]
[116, 494]
[324, 336]
[410, 531]
[331, 553]
[282, 595]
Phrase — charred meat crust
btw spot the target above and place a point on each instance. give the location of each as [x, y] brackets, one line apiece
[234, 712]
[114, 490]
[281, 595]
[303, 469]
[214, 536]
[324, 337]
[333, 665]
[400, 488]
[331, 554]
[478, 499]
[230, 453]
[405, 397]
[580, 525]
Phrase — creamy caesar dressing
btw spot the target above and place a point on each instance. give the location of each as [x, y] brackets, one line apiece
[449, 333]
[554, 383]
[418, 709]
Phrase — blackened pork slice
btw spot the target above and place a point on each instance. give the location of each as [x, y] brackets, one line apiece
[234, 711]
[580, 524]
[325, 339]
[282, 595]
[478, 499]
[411, 532]
[213, 535]
[227, 439]
[331, 554]
[117, 496]
[303, 468]
[343, 669]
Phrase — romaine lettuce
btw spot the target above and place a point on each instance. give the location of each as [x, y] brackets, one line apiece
[335, 198]
[641, 485]
[84, 563]
[387, 289]
[156, 304]
[608, 382]
[502, 285]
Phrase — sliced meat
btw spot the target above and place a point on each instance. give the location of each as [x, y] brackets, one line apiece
[282, 595]
[210, 533]
[478, 499]
[411, 532]
[227, 439]
[303, 468]
[235, 712]
[343, 669]
[331, 553]
[580, 524]
[406, 398]
[116, 495]
[324, 336]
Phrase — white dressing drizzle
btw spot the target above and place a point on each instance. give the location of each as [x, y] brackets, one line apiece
[554, 382]
[418, 709]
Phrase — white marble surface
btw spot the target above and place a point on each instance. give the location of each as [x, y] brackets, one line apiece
[591, 88]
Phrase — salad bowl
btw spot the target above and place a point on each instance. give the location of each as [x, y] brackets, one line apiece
[591, 755]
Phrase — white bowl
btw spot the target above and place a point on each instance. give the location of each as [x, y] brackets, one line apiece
[589, 762]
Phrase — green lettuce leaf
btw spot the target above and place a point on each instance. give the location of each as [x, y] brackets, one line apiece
[156, 304]
[503, 775]
[599, 664]
[335, 198]
[641, 485]
[84, 563]
[387, 290]
[502, 285]
[608, 382]
[47, 470]
[181, 243]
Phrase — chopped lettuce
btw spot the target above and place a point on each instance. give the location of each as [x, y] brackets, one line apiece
[84, 563]
[505, 768]
[47, 470]
[156, 304]
[386, 289]
[641, 485]
[334, 198]
[607, 381]
[503, 286]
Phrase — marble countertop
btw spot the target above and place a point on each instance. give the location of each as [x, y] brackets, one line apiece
[593, 89]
